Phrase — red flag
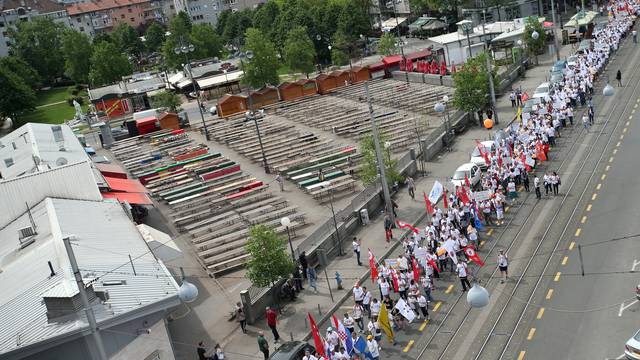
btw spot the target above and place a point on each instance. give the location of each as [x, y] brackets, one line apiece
[499, 157]
[462, 194]
[374, 268]
[510, 151]
[404, 225]
[317, 340]
[466, 180]
[473, 255]
[394, 279]
[427, 203]
[416, 270]
[446, 202]
[433, 264]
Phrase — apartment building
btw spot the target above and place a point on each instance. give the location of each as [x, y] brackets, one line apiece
[104, 15]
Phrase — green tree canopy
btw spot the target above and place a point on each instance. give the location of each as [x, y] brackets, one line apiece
[16, 96]
[369, 170]
[206, 41]
[39, 43]
[354, 20]
[263, 67]
[340, 49]
[264, 18]
[22, 69]
[387, 44]
[154, 37]
[126, 38]
[167, 100]
[472, 85]
[534, 46]
[77, 49]
[299, 52]
[180, 25]
[108, 65]
[268, 261]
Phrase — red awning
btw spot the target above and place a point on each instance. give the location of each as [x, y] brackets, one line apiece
[393, 59]
[419, 55]
[125, 185]
[111, 170]
[147, 120]
[131, 198]
[377, 66]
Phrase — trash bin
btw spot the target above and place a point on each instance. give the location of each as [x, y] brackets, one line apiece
[364, 217]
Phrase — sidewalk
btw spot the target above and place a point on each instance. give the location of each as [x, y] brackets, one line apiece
[293, 322]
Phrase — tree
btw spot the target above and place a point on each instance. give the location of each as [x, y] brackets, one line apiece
[472, 85]
[264, 18]
[24, 71]
[369, 170]
[102, 37]
[76, 48]
[108, 65]
[263, 67]
[206, 41]
[39, 43]
[180, 25]
[534, 46]
[126, 38]
[353, 20]
[167, 100]
[154, 37]
[340, 49]
[387, 44]
[268, 261]
[16, 96]
[222, 21]
[299, 52]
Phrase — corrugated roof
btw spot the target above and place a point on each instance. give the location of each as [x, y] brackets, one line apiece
[105, 237]
[125, 185]
[131, 198]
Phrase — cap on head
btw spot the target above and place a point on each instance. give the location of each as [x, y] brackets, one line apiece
[369, 337]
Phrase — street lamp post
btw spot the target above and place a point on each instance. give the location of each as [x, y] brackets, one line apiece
[186, 49]
[467, 27]
[249, 115]
[395, 14]
[285, 221]
[335, 222]
[521, 44]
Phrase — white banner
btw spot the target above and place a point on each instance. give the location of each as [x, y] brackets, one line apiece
[405, 310]
[482, 195]
[529, 161]
[436, 192]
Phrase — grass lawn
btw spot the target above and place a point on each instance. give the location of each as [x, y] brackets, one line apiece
[58, 113]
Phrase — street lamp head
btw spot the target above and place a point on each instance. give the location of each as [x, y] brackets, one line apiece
[387, 144]
[445, 98]
[520, 42]
[177, 51]
[187, 292]
[608, 90]
[318, 37]
[191, 48]
[285, 221]
[535, 35]
[329, 47]
[477, 297]
[439, 107]
[249, 54]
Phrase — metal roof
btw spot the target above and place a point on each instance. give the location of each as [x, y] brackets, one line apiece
[105, 237]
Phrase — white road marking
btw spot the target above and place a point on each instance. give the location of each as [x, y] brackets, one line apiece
[623, 307]
[635, 263]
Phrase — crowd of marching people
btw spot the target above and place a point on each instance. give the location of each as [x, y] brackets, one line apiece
[402, 288]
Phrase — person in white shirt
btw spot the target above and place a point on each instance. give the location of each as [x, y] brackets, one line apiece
[342, 354]
[384, 287]
[308, 355]
[372, 345]
[366, 301]
[374, 329]
[348, 322]
[503, 263]
[375, 308]
[422, 304]
[461, 268]
[333, 339]
[356, 249]
[358, 293]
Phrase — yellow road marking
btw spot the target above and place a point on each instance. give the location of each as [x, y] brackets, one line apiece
[521, 355]
[607, 168]
[490, 232]
[449, 289]
[603, 176]
[435, 308]
[589, 207]
[624, 130]
[594, 196]
[630, 117]
[611, 159]
[557, 277]
[635, 106]
[598, 186]
[634, 110]
[578, 231]
[615, 151]
[549, 294]
[531, 333]
[540, 313]
[618, 144]
[621, 136]
[506, 209]
[564, 261]
[573, 243]
[627, 123]
[424, 325]
[406, 348]
[482, 243]
[583, 220]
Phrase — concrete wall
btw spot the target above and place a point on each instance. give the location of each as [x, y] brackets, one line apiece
[432, 79]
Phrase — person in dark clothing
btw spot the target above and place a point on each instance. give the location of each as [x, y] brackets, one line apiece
[202, 352]
[263, 345]
[302, 259]
[525, 181]
[619, 78]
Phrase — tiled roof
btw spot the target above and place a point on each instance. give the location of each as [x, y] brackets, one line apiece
[42, 6]
[97, 5]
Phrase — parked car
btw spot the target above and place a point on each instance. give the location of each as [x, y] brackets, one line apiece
[476, 158]
[472, 172]
[528, 105]
[558, 66]
[291, 350]
[556, 78]
[541, 91]
[632, 347]
[571, 61]
[584, 45]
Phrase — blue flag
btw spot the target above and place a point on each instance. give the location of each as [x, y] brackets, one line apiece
[478, 223]
[360, 347]
[348, 343]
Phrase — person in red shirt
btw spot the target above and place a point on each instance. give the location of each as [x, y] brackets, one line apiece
[272, 322]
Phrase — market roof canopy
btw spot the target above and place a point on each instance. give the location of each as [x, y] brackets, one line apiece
[582, 18]
[391, 23]
[131, 198]
[427, 23]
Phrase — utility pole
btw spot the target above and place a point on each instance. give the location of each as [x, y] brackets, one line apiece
[492, 91]
[91, 317]
[376, 142]
[555, 32]
[406, 71]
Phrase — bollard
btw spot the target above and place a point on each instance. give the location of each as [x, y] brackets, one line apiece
[319, 312]
[338, 280]
[291, 334]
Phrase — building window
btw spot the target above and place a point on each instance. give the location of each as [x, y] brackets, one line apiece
[132, 19]
[121, 16]
[129, 10]
[1, 24]
[82, 28]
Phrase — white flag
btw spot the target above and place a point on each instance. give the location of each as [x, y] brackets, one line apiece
[405, 310]
[449, 245]
[436, 192]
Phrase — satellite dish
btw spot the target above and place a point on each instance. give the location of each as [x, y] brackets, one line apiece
[62, 161]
